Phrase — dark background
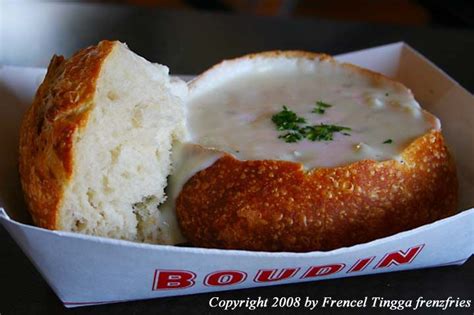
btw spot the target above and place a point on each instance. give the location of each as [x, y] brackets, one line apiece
[189, 41]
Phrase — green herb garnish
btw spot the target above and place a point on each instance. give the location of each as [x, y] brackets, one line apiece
[291, 137]
[322, 132]
[388, 141]
[320, 107]
[287, 120]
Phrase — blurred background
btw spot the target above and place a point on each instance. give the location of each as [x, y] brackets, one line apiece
[443, 13]
[191, 35]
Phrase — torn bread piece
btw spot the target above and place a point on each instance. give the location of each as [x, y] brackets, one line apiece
[95, 145]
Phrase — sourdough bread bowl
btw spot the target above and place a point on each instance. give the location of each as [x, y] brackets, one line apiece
[95, 145]
[314, 155]
[277, 151]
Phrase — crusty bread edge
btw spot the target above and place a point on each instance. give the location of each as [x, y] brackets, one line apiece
[270, 205]
[49, 128]
[296, 54]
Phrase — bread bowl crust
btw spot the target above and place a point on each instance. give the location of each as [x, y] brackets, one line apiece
[49, 128]
[376, 78]
[270, 205]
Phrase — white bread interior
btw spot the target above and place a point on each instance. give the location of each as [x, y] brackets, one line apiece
[122, 155]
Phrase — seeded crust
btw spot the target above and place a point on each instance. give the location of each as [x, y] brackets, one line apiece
[270, 205]
[61, 106]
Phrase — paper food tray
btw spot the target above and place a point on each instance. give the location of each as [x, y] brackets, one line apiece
[87, 270]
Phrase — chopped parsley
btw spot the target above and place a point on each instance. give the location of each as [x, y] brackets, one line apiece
[388, 141]
[322, 132]
[321, 107]
[291, 137]
[287, 120]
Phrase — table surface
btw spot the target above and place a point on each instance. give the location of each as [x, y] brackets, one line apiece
[190, 42]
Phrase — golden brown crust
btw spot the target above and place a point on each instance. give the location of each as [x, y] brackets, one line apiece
[376, 78]
[275, 206]
[60, 108]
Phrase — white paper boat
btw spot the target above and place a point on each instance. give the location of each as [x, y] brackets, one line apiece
[86, 270]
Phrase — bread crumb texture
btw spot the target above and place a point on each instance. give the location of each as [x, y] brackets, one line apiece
[95, 144]
[277, 206]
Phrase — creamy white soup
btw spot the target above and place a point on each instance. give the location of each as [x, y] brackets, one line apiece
[237, 116]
